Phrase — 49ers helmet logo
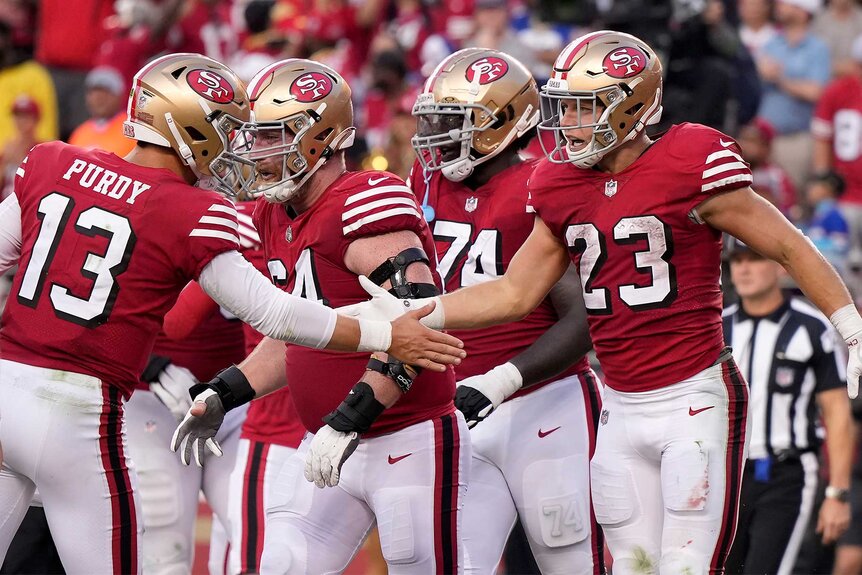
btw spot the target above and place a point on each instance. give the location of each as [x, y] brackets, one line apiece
[211, 85]
[624, 62]
[311, 86]
[487, 70]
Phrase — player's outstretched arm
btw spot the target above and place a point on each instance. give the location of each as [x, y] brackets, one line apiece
[236, 285]
[565, 343]
[746, 215]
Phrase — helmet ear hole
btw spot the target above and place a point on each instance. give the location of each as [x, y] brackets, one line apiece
[178, 72]
[195, 134]
[635, 109]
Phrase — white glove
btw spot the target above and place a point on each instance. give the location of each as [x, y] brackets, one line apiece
[197, 433]
[849, 324]
[328, 451]
[476, 397]
[172, 389]
[386, 307]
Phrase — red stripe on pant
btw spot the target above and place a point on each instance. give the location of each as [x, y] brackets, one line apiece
[593, 404]
[737, 393]
[124, 522]
[447, 446]
[251, 546]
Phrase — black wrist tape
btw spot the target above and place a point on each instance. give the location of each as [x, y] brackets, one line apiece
[357, 412]
[231, 386]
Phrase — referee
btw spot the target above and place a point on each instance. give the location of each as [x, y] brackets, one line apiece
[786, 349]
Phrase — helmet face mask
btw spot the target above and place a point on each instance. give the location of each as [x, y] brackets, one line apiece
[474, 105]
[617, 78]
[302, 115]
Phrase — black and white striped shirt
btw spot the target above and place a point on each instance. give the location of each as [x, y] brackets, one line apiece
[787, 357]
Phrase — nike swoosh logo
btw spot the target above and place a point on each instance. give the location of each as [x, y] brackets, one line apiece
[394, 460]
[375, 181]
[549, 432]
[725, 144]
[696, 411]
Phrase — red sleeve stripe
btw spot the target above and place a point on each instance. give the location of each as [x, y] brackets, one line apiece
[738, 178]
[377, 204]
[379, 216]
[821, 128]
[376, 191]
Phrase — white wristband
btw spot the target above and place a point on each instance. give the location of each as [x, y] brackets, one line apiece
[848, 322]
[510, 376]
[374, 335]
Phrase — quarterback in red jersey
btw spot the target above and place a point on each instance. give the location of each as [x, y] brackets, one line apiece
[531, 373]
[104, 246]
[321, 227]
[642, 220]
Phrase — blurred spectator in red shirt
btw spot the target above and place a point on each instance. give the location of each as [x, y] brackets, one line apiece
[205, 27]
[770, 180]
[69, 37]
[135, 34]
[26, 113]
[106, 91]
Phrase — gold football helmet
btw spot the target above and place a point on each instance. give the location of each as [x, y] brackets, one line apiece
[474, 104]
[302, 114]
[192, 104]
[615, 82]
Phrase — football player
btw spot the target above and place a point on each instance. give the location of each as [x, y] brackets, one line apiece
[104, 246]
[531, 455]
[322, 227]
[642, 219]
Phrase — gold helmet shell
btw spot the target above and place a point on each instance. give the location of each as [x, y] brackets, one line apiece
[302, 113]
[615, 76]
[191, 104]
[473, 106]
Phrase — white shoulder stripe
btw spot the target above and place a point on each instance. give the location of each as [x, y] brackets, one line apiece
[723, 168]
[722, 154]
[245, 219]
[214, 234]
[228, 223]
[377, 204]
[374, 191]
[20, 171]
[222, 208]
[379, 216]
[250, 234]
[741, 178]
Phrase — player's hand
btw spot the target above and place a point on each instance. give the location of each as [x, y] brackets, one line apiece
[172, 388]
[476, 397]
[417, 345]
[385, 306]
[196, 432]
[833, 520]
[328, 451]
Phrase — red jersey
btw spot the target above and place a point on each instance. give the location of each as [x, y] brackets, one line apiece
[650, 271]
[206, 29]
[476, 233]
[272, 418]
[838, 118]
[305, 255]
[100, 264]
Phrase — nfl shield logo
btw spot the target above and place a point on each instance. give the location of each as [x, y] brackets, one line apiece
[784, 376]
[472, 204]
[610, 188]
[288, 235]
[605, 415]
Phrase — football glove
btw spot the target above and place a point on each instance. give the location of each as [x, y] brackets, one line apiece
[849, 324]
[172, 389]
[328, 451]
[386, 307]
[196, 433]
[478, 396]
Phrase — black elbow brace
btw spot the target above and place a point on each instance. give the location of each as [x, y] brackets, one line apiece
[230, 385]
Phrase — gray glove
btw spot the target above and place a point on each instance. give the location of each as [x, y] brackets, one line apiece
[196, 433]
